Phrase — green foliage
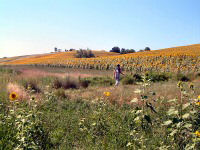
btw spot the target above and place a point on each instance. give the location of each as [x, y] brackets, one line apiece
[66, 83]
[84, 54]
[128, 80]
[61, 93]
[57, 122]
[9, 71]
[31, 85]
[182, 77]
[99, 81]
[21, 128]
[157, 77]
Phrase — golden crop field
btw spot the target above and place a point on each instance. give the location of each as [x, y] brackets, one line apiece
[184, 58]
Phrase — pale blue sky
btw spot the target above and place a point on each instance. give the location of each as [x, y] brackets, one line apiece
[37, 26]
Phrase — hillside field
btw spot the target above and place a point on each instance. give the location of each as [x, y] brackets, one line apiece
[184, 58]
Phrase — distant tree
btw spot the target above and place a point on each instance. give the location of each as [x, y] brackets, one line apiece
[55, 49]
[147, 49]
[71, 49]
[84, 54]
[123, 51]
[115, 49]
[131, 51]
[141, 50]
[90, 54]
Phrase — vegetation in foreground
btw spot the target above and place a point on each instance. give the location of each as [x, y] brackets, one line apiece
[40, 116]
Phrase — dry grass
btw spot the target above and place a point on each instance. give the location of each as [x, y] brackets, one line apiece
[22, 94]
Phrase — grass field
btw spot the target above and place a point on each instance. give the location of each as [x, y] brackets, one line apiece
[63, 108]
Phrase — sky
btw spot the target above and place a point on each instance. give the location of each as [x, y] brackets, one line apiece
[37, 26]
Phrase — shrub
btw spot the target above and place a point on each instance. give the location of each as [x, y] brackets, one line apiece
[32, 86]
[66, 83]
[84, 54]
[84, 83]
[157, 77]
[127, 80]
[181, 77]
[57, 84]
[69, 84]
[61, 93]
[137, 77]
[115, 49]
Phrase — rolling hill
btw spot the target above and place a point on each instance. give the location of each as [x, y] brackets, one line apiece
[184, 58]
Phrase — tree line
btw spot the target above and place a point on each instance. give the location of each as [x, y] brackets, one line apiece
[116, 49]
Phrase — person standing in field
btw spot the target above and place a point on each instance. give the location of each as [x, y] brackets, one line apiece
[117, 73]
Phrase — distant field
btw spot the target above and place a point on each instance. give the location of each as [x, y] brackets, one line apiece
[184, 58]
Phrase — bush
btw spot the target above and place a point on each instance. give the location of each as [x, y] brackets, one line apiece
[61, 93]
[137, 77]
[57, 84]
[84, 54]
[65, 84]
[84, 83]
[181, 77]
[32, 86]
[115, 49]
[127, 80]
[69, 84]
[157, 77]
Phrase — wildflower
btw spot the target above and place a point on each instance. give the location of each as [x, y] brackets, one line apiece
[199, 97]
[106, 93]
[197, 133]
[198, 103]
[13, 96]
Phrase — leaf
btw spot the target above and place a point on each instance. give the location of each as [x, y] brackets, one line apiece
[173, 132]
[188, 126]
[172, 111]
[166, 123]
[178, 125]
[138, 112]
[172, 100]
[193, 112]
[135, 100]
[186, 105]
[137, 118]
[185, 116]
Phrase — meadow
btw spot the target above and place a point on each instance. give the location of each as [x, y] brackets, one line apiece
[67, 108]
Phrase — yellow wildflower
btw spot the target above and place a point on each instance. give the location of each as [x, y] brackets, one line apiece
[106, 93]
[13, 96]
[197, 133]
[199, 97]
[198, 103]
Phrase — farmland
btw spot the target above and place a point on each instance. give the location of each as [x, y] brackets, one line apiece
[185, 59]
[56, 101]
